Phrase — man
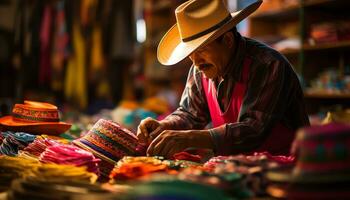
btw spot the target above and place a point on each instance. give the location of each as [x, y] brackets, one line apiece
[247, 90]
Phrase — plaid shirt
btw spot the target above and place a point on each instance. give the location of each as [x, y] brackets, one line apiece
[273, 95]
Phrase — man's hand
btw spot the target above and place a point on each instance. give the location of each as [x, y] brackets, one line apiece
[149, 129]
[170, 142]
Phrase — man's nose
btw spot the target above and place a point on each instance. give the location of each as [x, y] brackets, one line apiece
[196, 58]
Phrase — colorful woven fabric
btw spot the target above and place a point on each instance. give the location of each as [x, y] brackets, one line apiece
[14, 141]
[131, 168]
[322, 165]
[324, 149]
[70, 155]
[21, 167]
[39, 145]
[38, 189]
[110, 142]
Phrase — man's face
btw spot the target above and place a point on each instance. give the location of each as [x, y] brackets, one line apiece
[212, 58]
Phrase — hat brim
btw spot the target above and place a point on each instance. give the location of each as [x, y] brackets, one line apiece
[172, 49]
[97, 154]
[48, 128]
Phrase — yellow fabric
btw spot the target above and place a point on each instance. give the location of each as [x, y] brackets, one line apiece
[75, 83]
[97, 61]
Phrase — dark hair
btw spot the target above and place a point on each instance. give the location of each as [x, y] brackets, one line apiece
[233, 30]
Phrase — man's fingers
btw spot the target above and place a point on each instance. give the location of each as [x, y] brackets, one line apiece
[142, 133]
[168, 146]
[154, 143]
[156, 132]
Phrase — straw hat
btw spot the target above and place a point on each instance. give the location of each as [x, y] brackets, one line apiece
[198, 23]
[34, 117]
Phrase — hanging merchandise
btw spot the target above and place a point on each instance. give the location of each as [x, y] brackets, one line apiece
[97, 69]
[75, 82]
[45, 37]
[60, 47]
[85, 11]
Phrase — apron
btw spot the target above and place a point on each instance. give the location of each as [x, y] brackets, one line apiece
[280, 137]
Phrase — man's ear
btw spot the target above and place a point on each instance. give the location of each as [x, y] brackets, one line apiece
[229, 39]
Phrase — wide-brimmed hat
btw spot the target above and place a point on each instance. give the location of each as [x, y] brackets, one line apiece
[34, 117]
[197, 23]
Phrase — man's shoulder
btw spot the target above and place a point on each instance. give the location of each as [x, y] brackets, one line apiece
[262, 53]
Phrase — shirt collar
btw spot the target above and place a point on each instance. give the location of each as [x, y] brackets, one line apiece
[234, 67]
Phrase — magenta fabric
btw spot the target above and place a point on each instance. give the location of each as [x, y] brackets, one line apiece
[280, 138]
[45, 38]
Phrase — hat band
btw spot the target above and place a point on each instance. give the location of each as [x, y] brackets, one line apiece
[200, 34]
[36, 119]
[35, 115]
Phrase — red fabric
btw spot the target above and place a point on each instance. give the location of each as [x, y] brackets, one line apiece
[280, 138]
[187, 156]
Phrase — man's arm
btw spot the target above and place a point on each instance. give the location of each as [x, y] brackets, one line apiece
[193, 111]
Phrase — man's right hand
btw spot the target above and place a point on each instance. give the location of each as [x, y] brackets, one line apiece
[149, 129]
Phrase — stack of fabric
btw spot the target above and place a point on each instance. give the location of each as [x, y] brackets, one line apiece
[14, 167]
[174, 189]
[250, 167]
[110, 142]
[59, 172]
[36, 189]
[70, 155]
[143, 168]
[322, 167]
[38, 146]
[12, 142]
[19, 167]
[131, 168]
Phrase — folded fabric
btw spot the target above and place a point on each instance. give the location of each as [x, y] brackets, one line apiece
[186, 156]
[14, 141]
[70, 155]
[39, 145]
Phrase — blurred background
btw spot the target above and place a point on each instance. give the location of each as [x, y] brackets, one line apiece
[97, 58]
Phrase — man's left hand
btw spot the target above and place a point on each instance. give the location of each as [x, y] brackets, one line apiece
[170, 142]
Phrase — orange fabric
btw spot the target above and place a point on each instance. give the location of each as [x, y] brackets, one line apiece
[136, 170]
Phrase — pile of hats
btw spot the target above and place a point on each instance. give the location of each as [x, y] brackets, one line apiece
[35, 118]
[110, 142]
[322, 167]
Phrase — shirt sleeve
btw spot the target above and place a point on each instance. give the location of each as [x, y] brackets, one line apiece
[265, 102]
[192, 112]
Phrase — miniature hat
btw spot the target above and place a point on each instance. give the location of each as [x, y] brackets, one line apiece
[34, 117]
[197, 23]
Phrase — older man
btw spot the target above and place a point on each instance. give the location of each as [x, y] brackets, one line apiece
[248, 91]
